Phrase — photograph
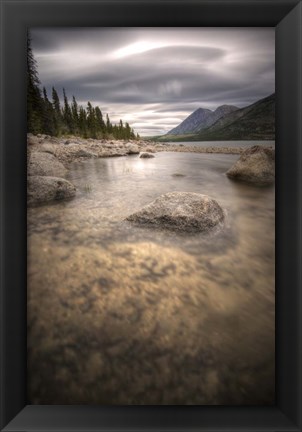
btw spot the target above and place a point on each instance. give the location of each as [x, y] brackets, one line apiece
[151, 216]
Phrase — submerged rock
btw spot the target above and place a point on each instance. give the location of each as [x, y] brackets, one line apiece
[45, 164]
[256, 165]
[146, 155]
[42, 189]
[181, 211]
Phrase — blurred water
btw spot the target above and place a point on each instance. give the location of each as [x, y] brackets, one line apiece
[129, 315]
[236, 143]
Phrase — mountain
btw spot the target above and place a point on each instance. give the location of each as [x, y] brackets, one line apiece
[200, 119]
[200, 116]
[256, 121]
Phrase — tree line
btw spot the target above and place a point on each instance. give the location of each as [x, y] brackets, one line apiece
[50, 118]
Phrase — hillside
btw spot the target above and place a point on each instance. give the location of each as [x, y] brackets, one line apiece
[256, 121]
[200, 119]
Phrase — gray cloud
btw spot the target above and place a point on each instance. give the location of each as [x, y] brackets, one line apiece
[154, 78]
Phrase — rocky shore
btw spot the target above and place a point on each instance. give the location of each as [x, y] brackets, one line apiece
[68, 150]
[48, 160]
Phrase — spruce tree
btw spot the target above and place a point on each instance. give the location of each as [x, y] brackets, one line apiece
[48, 116]
[75, 115]
[101, 127]
[34, 98]
[67, 115]
[58, 119]
[127, 131]
[91, 121]
[83, 122]
[108, 125]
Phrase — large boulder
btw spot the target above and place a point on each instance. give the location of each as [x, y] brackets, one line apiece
[181, 211]
[45, 164]
[42, 189]
[256, 165]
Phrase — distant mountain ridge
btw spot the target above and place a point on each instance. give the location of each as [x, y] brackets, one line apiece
[256, 121]
[201, 119]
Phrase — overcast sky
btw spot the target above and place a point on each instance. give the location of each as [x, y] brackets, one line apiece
[155, 77]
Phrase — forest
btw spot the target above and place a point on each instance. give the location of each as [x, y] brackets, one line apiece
[49, 117]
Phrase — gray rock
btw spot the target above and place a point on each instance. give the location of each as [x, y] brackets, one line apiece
[85, 153]
[146, 155]
[45, 164]
[181, 211]
[256, 165]
[32, 139]
[47, 148]
[132, 149]
[42, 189]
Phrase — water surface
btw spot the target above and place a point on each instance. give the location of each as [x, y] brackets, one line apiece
[119, 314]
[237, 143]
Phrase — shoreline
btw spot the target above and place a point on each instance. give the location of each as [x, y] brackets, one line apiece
[50, 158]
[71, 149]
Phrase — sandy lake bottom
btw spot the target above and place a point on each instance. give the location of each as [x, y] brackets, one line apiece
[119, 314]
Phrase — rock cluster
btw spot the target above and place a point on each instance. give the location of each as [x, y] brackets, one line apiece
[45, 173]
[79, 149]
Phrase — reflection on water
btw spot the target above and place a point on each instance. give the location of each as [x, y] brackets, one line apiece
[119, 314]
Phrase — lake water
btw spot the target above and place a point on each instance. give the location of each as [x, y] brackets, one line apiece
[224, 143]
[119, 314]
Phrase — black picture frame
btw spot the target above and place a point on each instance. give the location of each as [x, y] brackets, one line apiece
[16, 17]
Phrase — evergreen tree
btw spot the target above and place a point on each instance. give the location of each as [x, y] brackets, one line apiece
[83, 122]
[75, 114]
[56, 102]
[34, 99]
[115, 131]
[91, 121]
[120, 130]
[48, 116]
[67, 115]
[58, 119]
[127, 131]
[108, 125]
[101, 127]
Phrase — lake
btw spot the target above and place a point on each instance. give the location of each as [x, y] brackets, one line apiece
[224, 143]
[119, 314]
